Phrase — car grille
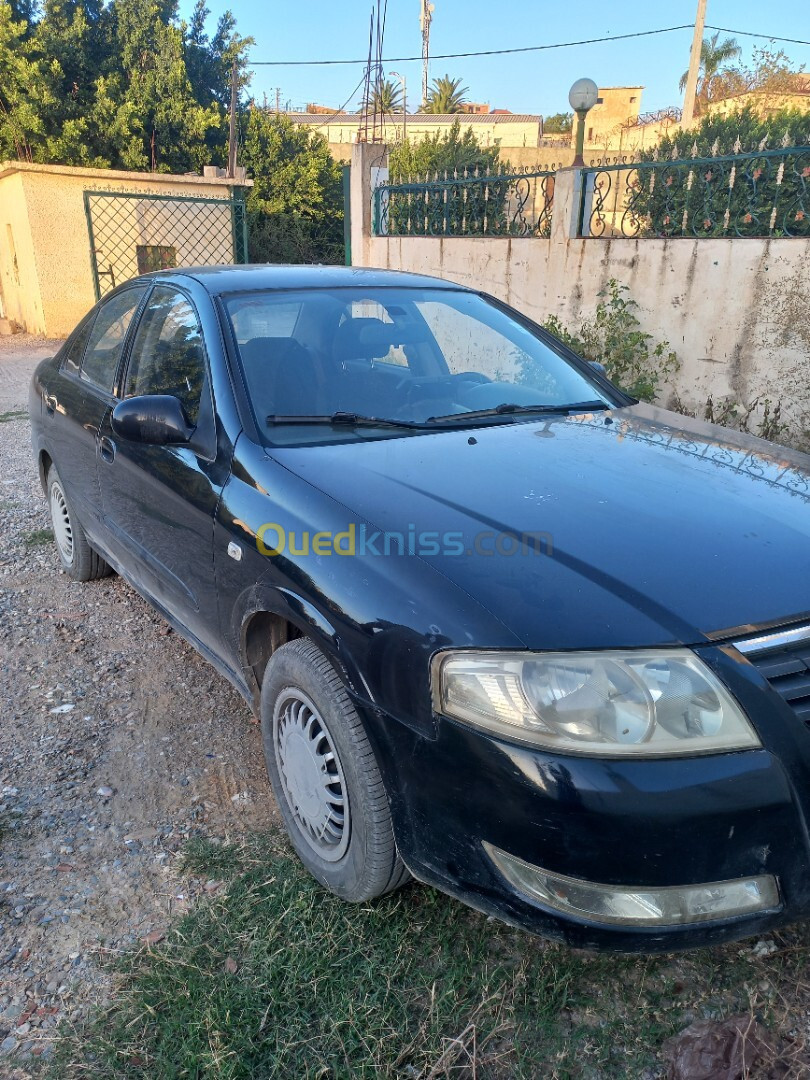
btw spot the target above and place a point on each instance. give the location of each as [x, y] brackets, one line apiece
[784, 660]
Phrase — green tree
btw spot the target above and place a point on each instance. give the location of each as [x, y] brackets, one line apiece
[446, 96]
[295, 207]
[123, 84]
[714, 56]
[209, 61]
[560, 123]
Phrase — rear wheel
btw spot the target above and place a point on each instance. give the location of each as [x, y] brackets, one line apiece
[325, 776]
[77, 557]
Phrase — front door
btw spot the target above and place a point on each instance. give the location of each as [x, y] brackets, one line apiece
[159, 501]
[76, 403]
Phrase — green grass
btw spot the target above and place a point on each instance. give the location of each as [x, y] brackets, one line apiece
[14, 414]
[273, 977]
[38, 537]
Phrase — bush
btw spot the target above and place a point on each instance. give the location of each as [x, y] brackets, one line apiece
[613, 338]
[708, 193]
[451, 209]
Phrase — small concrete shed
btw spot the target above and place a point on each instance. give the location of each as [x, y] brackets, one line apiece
[68, 235]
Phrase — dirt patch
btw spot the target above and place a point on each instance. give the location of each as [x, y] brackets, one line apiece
[117, 743]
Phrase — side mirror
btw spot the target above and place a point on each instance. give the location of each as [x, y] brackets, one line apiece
[598, 367]
[155, 419]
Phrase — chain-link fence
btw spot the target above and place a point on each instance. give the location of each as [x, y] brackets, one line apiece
[132, 233]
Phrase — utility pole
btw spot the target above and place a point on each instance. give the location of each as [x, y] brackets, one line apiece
[232, 127]
[694, 67]
[425, 16]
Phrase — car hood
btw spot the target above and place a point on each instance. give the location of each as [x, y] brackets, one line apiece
[633, 527]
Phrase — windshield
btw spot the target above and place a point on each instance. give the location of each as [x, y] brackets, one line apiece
[421, 357]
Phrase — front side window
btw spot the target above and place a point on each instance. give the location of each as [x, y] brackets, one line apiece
[168, 356]
[103, 353]
[414, 355]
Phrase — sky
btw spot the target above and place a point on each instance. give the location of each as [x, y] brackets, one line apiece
[530, 83]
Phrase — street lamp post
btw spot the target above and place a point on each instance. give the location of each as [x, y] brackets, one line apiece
[582, 97]
[401, 78]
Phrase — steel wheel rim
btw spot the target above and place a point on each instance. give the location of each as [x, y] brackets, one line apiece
[311, 775]
[60, 517]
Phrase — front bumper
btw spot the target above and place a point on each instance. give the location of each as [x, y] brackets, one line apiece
[655, 823]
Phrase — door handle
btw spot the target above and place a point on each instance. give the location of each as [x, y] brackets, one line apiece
[106, 447]
[50, 403]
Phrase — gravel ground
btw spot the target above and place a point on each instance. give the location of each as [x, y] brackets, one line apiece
[117, 742]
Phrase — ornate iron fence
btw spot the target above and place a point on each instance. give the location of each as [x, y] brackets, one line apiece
[134, 233]
[762, 193]
[466, 204]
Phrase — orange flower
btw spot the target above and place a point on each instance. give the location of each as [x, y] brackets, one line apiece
[707, 223]
[747, 219]
[799, 215]
[708, 175]
[757, 173]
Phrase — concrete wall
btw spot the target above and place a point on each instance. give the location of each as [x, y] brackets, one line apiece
[735, 311]
[44, 208]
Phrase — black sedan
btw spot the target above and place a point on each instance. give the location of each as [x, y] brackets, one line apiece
[508, 630]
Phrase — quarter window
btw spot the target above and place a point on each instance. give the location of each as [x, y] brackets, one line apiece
[168, 356]
[75, 350]
[100, 362]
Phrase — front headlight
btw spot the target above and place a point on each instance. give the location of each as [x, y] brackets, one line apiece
[656, 703]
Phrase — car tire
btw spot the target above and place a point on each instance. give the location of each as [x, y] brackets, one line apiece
[78, 559]
[325, 776]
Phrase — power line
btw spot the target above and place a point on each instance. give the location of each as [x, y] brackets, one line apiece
[768, 37]
[486, 52]
[526, 48]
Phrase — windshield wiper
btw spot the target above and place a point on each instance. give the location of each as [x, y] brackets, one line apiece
[347, 419]
[509, 409]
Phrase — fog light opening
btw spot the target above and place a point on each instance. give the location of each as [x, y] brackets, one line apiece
[638, 905]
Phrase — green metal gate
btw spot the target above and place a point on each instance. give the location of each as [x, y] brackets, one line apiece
[133, 233]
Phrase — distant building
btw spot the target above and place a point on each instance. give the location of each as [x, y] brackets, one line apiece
[490, 128]
[766, 102]
[615, 107]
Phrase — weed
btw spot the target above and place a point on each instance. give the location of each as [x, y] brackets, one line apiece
[38, 537]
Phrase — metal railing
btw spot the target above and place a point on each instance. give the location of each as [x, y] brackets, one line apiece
[757, 194]
[466, 204]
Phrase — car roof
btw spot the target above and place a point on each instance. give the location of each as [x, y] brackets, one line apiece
[227, 279]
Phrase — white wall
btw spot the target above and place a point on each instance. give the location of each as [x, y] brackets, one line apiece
[736, 311]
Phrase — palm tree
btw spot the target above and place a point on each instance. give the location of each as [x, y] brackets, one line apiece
[714, 54]
[386, 97]
[446, 96]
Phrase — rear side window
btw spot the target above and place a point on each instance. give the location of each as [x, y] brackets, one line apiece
[75, 350]
[168, 356]
[107, 337]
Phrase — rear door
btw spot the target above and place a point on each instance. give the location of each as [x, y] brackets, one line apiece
[77, 401]
[159, 501]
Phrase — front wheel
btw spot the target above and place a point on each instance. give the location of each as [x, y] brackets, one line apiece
[77, 557]
[325, 776]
